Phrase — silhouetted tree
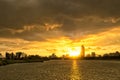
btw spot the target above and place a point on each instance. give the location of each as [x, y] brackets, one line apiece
[23, 56]
[88, 55]
[99, 56]
[18, 55]
[7, 55]
[117, 53]
[0, 56]
[105, 55]
[12, 56]
[34, 57]
[93, 54]
[53, 56]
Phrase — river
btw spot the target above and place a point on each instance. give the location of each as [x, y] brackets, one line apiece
[62, 70]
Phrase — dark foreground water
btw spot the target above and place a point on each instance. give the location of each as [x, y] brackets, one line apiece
[62, 70]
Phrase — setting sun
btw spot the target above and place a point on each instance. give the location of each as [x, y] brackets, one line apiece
[74, 52]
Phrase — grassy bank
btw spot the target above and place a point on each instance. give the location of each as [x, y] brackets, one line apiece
[6, 62]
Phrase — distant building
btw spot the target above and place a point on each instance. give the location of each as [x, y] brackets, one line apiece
[82, 54]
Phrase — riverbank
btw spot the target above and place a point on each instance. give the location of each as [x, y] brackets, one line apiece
[6, 62]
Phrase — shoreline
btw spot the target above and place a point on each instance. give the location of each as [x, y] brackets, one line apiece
[7, 62]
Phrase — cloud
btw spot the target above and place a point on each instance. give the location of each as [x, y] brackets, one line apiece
[66, 17]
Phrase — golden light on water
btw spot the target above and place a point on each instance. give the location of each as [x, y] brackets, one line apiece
[75, 74]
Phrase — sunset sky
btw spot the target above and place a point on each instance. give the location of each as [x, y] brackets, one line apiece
[58, 26]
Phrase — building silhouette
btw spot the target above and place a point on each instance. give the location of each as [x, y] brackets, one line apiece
[82, 53]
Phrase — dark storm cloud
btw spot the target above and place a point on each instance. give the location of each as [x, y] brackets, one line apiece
[75, 15]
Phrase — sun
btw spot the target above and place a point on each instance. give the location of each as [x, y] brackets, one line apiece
[74, 52]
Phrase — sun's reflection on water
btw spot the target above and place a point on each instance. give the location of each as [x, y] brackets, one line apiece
[75, 71]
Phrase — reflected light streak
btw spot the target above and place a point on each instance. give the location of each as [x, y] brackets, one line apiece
[75, 73]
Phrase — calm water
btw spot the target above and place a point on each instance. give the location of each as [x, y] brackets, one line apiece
[62, 70]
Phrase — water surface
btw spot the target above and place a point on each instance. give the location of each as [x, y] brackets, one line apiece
[62, 70]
